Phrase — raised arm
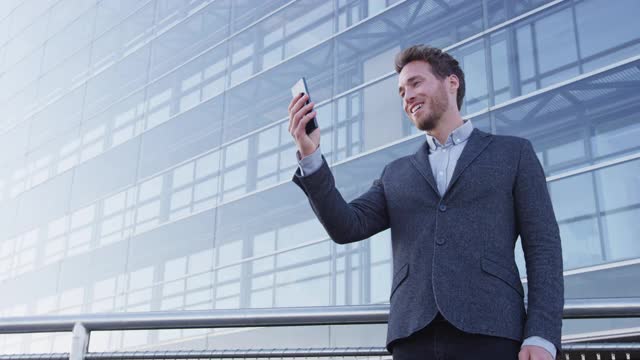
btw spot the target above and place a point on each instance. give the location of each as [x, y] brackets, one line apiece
[345, 222]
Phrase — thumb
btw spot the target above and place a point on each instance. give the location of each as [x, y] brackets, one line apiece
[523, 354]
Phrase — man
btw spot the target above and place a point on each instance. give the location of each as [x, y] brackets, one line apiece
[455, 209]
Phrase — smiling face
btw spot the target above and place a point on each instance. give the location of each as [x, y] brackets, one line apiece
[425, 98]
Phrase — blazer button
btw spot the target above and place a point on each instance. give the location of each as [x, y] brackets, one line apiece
[440, 240]
[443, 207]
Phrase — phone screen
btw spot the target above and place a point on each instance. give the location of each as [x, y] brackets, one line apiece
[301, 87]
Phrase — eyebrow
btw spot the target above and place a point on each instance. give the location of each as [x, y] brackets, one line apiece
[409, 80]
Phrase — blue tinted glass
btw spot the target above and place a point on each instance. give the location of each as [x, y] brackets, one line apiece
[573, 197]
[472, 60]
[599, 31]
[525, 51]
[189, 37]
[555, 40]
[165, 145]
[118, 165]
[619, 228]
[618, 186]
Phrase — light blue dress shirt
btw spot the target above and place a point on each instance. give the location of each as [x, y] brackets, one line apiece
[443, 159]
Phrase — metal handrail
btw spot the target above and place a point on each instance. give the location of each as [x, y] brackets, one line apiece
[251, 353]
[601, 308]
[152, 320]
[624, 350]
[211, 354]
[295, 316]
[83, 324]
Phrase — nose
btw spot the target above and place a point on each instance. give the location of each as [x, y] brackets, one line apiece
[408, 96]
[409, 93]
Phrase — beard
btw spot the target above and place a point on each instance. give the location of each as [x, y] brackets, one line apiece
[438, 105]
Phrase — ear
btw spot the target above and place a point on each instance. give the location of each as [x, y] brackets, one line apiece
[453, 83]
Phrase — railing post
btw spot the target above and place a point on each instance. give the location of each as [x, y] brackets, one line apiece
[79, 342]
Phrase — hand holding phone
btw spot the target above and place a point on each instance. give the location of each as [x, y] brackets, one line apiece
[303, 125]
[300, 87]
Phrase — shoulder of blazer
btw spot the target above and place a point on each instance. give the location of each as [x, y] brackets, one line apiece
[480, 133]
[508, 140]
[510, 143]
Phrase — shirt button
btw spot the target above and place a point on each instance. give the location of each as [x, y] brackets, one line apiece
[443, 207]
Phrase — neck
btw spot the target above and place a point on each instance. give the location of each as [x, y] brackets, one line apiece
[447, 124]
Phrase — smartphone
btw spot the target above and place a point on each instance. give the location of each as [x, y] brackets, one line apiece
[301, 87]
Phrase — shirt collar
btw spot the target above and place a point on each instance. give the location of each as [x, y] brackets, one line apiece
[457, 136]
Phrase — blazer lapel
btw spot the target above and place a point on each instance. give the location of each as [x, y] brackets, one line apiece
[477, 142]
[421, 161]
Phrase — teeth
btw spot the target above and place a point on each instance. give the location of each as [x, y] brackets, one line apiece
[416, 108]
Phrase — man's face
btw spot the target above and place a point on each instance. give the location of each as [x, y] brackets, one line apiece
[424, 97]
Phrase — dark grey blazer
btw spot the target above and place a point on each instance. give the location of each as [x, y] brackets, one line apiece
[455, 253]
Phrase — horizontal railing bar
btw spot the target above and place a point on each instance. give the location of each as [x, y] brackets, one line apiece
[617, 333]
[52, 356]
[300, 316]
[287, 353]
[601, 308]
[248, 353]
[620, 346]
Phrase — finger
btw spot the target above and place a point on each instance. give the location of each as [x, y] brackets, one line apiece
[295, 118]
[294, 98]
[293, 110]
[293, 101]
[299, 103]
[304, 110]
[302, 124]
[290, 122]
[293, 123]
[301, 113]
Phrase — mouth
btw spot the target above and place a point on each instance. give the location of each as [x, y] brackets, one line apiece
[415, 108]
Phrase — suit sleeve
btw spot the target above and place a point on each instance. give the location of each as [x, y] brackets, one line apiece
[540, 237]
[345, 222]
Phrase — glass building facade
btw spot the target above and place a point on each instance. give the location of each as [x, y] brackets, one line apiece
[146, 162]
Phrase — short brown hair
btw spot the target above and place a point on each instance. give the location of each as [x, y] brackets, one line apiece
[442, 64]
